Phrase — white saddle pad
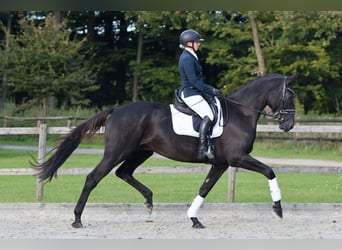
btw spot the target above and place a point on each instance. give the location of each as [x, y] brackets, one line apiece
[182, 123]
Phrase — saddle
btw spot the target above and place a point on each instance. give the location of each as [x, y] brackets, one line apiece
[181, 106]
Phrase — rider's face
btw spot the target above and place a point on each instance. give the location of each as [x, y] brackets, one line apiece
[194, 45]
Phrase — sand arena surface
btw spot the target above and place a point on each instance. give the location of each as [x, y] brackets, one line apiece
[169, 221]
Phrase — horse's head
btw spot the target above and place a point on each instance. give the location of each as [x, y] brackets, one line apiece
[282, 104]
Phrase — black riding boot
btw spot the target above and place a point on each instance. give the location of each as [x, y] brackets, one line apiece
[203, 137]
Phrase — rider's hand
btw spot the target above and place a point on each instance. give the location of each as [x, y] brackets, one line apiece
[216, 92]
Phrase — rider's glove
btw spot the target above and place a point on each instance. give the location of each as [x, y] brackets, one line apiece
[216, 92]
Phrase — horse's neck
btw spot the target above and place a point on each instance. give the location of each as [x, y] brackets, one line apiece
[254, 98]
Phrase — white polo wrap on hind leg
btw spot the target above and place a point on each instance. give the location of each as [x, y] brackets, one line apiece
[195, 206]
[275, 190]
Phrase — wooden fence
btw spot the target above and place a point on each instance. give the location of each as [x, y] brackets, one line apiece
[43, 130]
[70, 120]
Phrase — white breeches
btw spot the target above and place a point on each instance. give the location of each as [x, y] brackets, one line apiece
[199, 105]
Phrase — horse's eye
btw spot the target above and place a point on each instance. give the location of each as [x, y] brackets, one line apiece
[291, 92]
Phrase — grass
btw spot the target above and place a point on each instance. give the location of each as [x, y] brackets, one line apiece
[298, 150]
[178, 188]
[20, 159]
[169, 188]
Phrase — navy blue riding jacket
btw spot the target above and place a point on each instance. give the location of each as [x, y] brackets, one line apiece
[191, 76]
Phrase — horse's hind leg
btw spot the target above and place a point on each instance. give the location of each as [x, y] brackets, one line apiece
[125, 172]
[93, 178]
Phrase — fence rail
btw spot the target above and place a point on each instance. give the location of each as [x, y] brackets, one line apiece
[260, 128]
[36, 130]
[43, 130]
[42, 119]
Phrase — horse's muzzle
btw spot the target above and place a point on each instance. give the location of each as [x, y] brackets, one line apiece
[287, 124]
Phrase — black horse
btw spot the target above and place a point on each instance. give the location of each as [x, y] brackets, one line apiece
[134, 131]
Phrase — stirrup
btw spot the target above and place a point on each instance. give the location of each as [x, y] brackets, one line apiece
[210, 154]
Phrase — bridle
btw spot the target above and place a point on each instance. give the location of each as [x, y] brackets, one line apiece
[278, 116]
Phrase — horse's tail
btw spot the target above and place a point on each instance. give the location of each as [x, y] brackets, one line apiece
[48, 169]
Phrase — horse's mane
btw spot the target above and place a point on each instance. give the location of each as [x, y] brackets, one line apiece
[252, 81]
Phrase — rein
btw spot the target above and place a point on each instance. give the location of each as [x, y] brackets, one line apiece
[278, 116]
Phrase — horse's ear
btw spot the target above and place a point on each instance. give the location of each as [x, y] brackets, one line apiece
[292, 78]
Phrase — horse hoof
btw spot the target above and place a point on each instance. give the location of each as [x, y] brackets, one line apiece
[278, 211]
[198, 226]
[77, 225]
[196, 223]
[149, 207]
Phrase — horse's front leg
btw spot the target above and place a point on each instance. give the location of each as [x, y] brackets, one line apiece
[250, 163]
[214, 174]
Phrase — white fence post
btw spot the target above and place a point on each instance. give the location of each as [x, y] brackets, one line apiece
[41, 154]
[231, 183]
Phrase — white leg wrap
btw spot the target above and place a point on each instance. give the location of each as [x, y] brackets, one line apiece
[275, 190]
[195, 206]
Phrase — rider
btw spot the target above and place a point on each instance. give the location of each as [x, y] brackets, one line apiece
[194, 91]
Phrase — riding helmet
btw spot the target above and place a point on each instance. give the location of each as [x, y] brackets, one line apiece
[189, 36]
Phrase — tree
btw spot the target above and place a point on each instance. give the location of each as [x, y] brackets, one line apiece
[154, 70]
[134, 54]
[109, 41]
[302, 44]
[230, 50]
[5, 59]
[44, 61]
[258, 52]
